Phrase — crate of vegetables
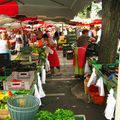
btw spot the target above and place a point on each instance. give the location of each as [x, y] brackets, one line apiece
[19, 81]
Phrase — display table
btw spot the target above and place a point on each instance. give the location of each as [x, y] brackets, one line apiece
[98, 67]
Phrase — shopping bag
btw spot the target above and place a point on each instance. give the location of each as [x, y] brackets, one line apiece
[40, 89]
[111, 105]
[36, 94]
[47, 65]
[43, 75]
[87, 70]
[100, 86]
[92, 79]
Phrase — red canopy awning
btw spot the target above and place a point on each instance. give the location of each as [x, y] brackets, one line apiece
[29, 19]
[93, 22]
[8, 8]
[96, 21]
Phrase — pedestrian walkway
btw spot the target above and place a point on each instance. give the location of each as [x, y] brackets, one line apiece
[58, 89]
[66, 69]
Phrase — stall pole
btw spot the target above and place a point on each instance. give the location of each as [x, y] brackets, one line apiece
[117, 111]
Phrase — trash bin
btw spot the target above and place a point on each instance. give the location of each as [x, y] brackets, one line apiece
[23, 107]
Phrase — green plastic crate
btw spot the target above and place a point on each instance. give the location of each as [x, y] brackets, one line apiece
[80, 117]
[3, 78]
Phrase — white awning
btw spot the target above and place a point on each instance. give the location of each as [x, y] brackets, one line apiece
[52, 8]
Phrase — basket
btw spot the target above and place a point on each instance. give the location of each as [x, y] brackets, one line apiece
[23, 107]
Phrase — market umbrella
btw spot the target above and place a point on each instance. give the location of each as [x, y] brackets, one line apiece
[13, 25]
[8, 7]
[5, 19]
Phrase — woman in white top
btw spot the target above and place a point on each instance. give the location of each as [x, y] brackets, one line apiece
[4, 49]
[19, 41]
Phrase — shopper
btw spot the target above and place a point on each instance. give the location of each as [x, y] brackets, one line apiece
[39, 34]
[92, 32]
[4, 50]
[19, 41]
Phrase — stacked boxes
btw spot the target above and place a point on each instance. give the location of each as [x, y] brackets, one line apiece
[19, 80]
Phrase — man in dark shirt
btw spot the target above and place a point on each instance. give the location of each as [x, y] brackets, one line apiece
[83, 39]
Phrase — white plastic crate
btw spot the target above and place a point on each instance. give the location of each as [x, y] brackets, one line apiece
[19, 80]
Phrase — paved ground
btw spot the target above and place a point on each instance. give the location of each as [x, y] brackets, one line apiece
[59, 94]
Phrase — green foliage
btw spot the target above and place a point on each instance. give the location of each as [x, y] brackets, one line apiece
[8, 118]
[3, 102]
[26, 50]
[42, 55]
[21, 92]
[44, 115]
[85, 12]
[36, 49]
[60, 114]
[94, 7]
[63, 114]
[5, 99]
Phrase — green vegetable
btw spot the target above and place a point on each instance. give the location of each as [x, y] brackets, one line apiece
[44, 115]
[42, 56]
[5, 99]
[21, 92]
[26, 50]
[63, 114]
[8, 118]
[60, 114]
[2, 106]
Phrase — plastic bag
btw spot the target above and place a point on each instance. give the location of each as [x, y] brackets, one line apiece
[92, 79]
[43, 75]
[110, 107]
[40, 89]
[100, 85]
[47, 65]
[36, 94]
[87, 70]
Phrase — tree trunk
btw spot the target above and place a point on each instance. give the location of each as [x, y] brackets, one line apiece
[110, 30]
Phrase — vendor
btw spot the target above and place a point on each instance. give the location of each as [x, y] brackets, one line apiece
[84, 39]
[80, 53]
[52, 54]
